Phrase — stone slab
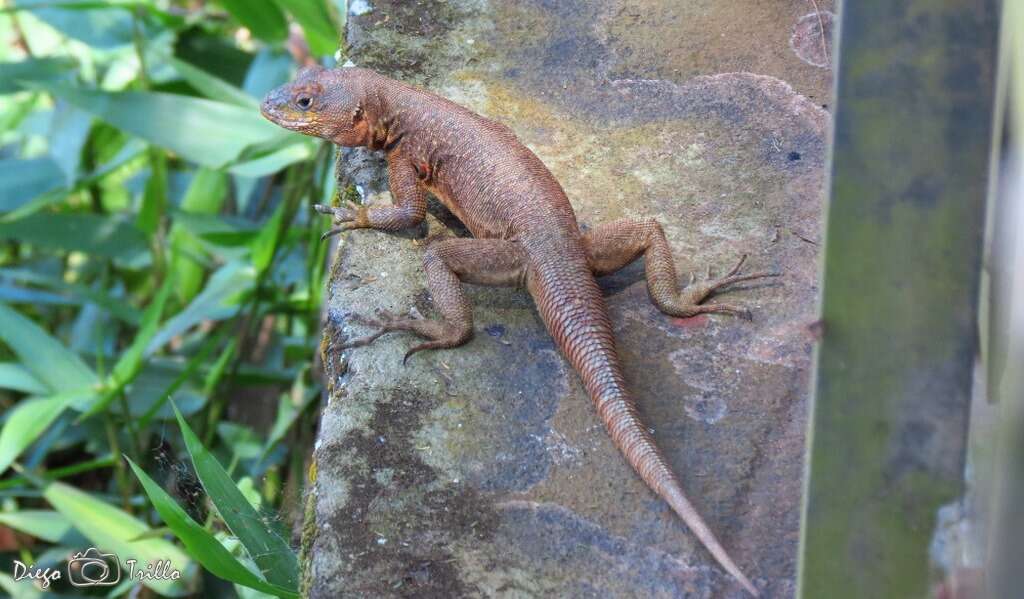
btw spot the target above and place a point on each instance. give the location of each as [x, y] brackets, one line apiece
[484, 471]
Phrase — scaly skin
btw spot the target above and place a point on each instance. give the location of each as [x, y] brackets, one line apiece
[525, 235]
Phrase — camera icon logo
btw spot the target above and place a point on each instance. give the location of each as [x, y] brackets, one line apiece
[90, 568]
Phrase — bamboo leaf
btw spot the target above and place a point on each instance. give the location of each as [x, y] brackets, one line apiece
[274, 161]
[204, 131]
[213, 87]
[107, 236]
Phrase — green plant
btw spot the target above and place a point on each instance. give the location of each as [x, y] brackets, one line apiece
[154, 246]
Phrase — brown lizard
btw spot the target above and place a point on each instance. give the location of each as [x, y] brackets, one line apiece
[525, 235]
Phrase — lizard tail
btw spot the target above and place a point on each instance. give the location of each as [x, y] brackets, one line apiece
[577, 319]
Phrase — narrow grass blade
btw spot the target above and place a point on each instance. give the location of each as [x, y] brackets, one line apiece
[203, 546]
[270, 552]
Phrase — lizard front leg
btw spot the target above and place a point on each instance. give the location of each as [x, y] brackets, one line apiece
[614, 245]
[449, 263]
[408, 210]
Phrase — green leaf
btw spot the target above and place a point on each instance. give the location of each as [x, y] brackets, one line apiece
[45, 524]
[265, 245]
[75, 293]
[154, 195]
[204, 131]
[28, 419]
[218, 300]
[25, 180]
[12, 294]
[245, 444]
[216, 372]
[212, 86]
[264, 19]
[270, 552]
[203, 546]
[19, 589]
[12, 74]
[287, 414]
[17, 378]
[205, 195]
[102, 28]
[225, 232]
[69, 130]
[165, 18]
[158, 383]
[112, 529]
[129, 364]
[131, 360]
[274, 161]
[315, 20]
[46, 358]
[269, 69]
[95, 234]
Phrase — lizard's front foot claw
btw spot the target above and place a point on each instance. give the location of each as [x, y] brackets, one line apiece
[345, 219]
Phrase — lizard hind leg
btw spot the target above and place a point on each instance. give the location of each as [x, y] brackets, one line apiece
[449, 263]
[614, 245]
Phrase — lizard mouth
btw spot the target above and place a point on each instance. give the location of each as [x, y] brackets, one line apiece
[275, 116]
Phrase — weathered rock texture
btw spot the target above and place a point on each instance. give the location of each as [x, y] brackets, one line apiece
[484, 470]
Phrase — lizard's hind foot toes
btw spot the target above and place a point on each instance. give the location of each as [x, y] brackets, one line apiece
[698, 291]
[382, 323]
[690, 301]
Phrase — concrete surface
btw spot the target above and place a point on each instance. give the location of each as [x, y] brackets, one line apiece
[484, 471]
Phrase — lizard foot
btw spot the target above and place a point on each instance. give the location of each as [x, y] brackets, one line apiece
[691, 298]
[345, 219]
[439, 333]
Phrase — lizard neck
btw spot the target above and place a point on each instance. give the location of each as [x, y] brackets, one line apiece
[385, 113]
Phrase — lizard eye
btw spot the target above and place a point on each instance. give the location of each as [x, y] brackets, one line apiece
[304, 102]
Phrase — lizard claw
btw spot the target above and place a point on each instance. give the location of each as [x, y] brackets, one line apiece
[368, 339]
[691, 298]
[346, 219]
[705, 288]
[338, 230]
[439, 335]
[386, 322]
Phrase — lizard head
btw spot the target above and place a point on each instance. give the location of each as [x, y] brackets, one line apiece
[322, 103]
